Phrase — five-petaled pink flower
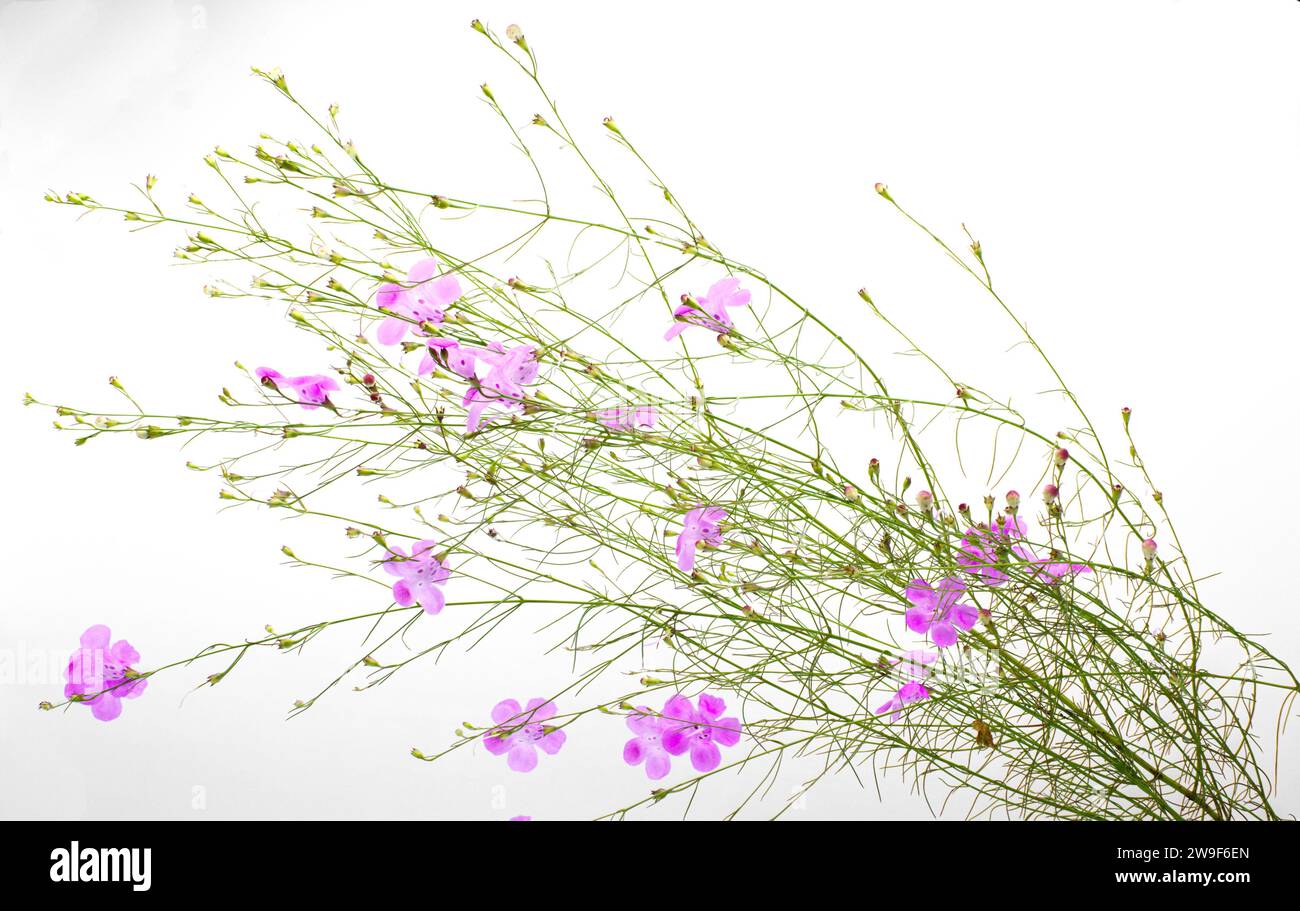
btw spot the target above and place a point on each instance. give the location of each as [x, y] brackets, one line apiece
[423, 299]
[648, 744]
[420, 576]
[912, 691]
[643, 417]
[710, 311]
[311, 391]
[937, 612]
[101, 676]
[700, 731]
[701, 525]
[519, 732]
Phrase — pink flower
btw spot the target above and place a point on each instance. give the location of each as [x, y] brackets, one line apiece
[520, 732]
[101, 675]
[497, 374]
[980, 549]
[421, 576]
[710, 311]
[1051, 571]
[984, 548]
[310, 391]
[907, 694]
[700, 525]
[422, 300]
[648, 744]
[937, 612]
[699, 731]
[642, 417]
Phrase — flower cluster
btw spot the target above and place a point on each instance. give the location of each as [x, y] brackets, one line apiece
[984, 553]
[681, 727]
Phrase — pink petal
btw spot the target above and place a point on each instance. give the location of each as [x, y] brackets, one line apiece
[918, 619]
[705, 756]
[523, 757]
[921, 594]
[726, 731]
[496, 744]
[657, 765]
[106, 707]
[964, 615]
[422, 271]
[392, 330]
[506, 710]
[552, 742]
[402, 593]
[943, 634]
[96, 637]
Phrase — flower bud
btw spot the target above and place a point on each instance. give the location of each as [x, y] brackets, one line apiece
[1050, 493]
[851, 493]
[1013, 501]
[964, 509]
[1125, 413]
[1061, 456]
[925, 500]
[988, 501]
[1149, 549]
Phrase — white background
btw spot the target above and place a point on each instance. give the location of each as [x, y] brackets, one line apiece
[1130, 168]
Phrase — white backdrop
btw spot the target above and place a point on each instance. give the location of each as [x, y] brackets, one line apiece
[1130, 168]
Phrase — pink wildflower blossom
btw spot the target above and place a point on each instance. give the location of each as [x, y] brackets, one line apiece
[519, 733]
[497, 374]
[423, 299]
[710, 311]
[311, 391]
[700, 525]
[101, 674]
[908, 693]
[420, 576]
[936, 611]
[979, 549]
[699, 731]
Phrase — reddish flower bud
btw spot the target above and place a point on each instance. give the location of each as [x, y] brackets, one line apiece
[1149, 548]
[1061, 456]
[1013, 500]
[1050, 493]
[925, 500]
